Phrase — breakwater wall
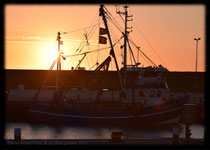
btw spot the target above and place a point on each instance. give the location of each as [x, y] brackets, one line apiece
[33, 79]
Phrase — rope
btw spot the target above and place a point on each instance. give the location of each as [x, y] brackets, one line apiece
[149, 44]
[142, 52]
[86, 52]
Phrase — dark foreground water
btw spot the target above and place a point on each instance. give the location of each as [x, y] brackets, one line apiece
[31, 131]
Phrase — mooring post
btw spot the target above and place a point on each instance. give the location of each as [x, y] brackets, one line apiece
[17, 134]
[176, 135]
[189, 117]
[112, 95]
[116, 136]
[187, 127]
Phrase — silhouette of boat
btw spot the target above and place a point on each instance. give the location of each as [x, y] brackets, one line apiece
[141, 100]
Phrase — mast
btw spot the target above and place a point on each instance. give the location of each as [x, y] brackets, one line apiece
[125, 44]
[58, 65]
[125, 40]
[110, 41]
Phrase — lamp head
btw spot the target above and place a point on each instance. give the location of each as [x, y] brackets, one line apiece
[197, 39]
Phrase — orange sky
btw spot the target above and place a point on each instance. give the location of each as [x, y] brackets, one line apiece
[166, 30]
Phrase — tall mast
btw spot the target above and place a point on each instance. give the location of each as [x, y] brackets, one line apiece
[125, 40]
[125, 43]
[110, 41]
[58, 65]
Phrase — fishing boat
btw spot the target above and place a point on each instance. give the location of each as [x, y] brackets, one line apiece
[140, 101]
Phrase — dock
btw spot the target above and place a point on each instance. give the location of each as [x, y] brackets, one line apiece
[116, 138]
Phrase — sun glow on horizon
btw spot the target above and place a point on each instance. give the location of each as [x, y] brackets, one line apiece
[31, 31]
[52, 55]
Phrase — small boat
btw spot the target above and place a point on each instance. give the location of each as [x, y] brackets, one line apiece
[141, 101]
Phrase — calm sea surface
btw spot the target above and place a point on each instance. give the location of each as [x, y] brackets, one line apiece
[31, 131]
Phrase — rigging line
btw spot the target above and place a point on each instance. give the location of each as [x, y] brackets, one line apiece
[78, 29]
[142, 52]
[86, 52]
[90, 55]
[131, 51]
[88, 36]
[81, 28]
[115, 36]
[113, 21]
[121, 54]
[92, 66]
[68, 67]
[77, 51]
[81, 45]
[147, 57]
[122, 18]
[95, 18]
[131, 58]
[89, 30]
[113, 18]
[117, 26]
[99, 21]
[144, 58]
[149, 43]
[98, 45]
[80, 51]
[73, 61]
[94, 50]
[67, 64]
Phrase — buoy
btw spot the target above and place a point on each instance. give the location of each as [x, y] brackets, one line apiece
[17, 134]
[175, 135]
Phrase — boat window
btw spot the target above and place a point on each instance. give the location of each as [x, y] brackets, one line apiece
[158, 93]
[142, 93]
[152, 93]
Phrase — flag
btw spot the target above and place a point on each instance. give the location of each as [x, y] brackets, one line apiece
[102, 31]
[61, 42]
[102, 40]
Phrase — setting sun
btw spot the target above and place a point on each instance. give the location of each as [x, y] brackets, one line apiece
[52, 55]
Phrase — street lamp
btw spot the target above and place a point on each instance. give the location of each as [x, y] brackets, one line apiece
[196, 52]
[196, 82]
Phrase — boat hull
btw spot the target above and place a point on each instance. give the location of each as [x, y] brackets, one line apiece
[160, 115]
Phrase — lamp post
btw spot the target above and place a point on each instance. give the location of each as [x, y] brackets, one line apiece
[196, 52]
[196, 82]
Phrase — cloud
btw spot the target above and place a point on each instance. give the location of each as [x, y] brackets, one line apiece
[76, 41]
[38, 39]
[27, 39]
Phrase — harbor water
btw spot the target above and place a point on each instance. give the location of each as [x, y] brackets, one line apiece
[31, 131]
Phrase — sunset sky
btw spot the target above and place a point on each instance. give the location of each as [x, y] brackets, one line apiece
[165, 33]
